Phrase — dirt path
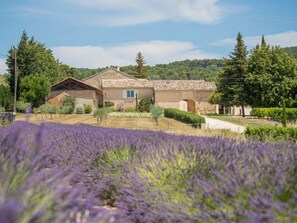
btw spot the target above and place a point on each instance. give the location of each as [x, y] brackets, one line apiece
[218, 124]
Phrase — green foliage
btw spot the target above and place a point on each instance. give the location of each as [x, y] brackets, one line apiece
[272, 75]
[186, 117]
[275, 113]
[101, 113]
[6, 98]
[69, 101]
[129, 109]
[32, 58]
[156, 112]
[66, 110]
[136, 103]
[34, 89]
[291, 51]
[49, 109]
[206, 69]
[231, 84]
[141, 70]
[80, 110]
[145, 104]
[108, 104]
[2, 109]
[22, 106]
[271, 134]
[284, 114]
[88, 108]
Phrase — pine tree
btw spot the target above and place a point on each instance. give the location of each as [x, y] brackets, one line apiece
[231, 84]
[141, 70]
[32, 58]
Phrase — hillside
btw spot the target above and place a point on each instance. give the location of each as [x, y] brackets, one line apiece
[206, 69]
[292, 51]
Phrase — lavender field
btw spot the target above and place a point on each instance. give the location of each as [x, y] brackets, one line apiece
[81, 173]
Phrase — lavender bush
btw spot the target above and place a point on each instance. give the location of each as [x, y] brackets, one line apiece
[67, 173]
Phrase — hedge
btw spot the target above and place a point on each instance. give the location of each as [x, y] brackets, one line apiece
[271, 134]
[274, 113]
[186, 117]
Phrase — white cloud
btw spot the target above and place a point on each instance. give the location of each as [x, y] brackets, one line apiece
[155, 52]
[3, 66]
[132, 12]
[285, 39]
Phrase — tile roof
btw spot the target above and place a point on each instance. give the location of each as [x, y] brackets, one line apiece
[160, 85]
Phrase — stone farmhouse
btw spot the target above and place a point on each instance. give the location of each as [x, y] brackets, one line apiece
[121, 89]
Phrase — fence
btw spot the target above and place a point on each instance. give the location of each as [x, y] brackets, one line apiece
[6, 117]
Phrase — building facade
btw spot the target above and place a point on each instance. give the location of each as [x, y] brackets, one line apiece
[122, 89]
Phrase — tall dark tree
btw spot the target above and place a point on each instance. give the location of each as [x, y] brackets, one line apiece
[141, 70]
[272, 77]
[231, 84]
[32, 58]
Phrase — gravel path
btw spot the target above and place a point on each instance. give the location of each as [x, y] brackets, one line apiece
[218, 124]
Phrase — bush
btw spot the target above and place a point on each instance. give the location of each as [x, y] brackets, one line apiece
[80, 110]
[271, 134]
[22, 106]
[186, 117]
[108, 104]
[129, 109]
[275, 113]
[66, 110]
[144, 104]
[70, 102]
[49, 109]
[101, 113]
[88, 108]
[156, 112]
[2, 109]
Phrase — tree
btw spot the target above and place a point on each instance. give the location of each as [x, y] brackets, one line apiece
[32, 58]
[140, 68]
[34, 89]
[6, 98]
[231, 84]
[272, 77]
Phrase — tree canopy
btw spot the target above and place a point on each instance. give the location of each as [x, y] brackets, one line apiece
[34, 89]
[231, 85]
[141, 70]
[272, 77]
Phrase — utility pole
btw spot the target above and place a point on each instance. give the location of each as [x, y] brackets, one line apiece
[15, 82]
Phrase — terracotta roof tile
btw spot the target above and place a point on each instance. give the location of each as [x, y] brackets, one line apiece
[160, 85]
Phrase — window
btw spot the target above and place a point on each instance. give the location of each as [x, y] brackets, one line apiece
[129, 94]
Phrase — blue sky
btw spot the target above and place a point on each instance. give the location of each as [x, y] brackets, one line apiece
[97, 33]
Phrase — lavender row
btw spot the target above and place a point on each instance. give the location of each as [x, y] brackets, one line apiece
[145, 176]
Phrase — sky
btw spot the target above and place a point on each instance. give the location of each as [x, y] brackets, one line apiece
[100, 33]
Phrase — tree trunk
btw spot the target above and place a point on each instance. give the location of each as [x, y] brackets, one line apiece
[243, 112]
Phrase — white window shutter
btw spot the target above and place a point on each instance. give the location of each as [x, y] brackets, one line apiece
[124, 94]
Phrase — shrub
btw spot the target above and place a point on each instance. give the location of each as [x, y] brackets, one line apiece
[22, 106]
[101, 113]
[108, 104]
[129, 109]
[80, 110]
[2, 109]
[186, 117]
[156, 112]
[271, 134]
[88, 108]
[66, 110]
[275, 113]
[70, 102]
[144, 104]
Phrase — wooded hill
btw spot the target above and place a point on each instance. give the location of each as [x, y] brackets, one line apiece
[205, 69]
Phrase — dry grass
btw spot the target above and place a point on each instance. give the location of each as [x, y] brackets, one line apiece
[165, 124]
